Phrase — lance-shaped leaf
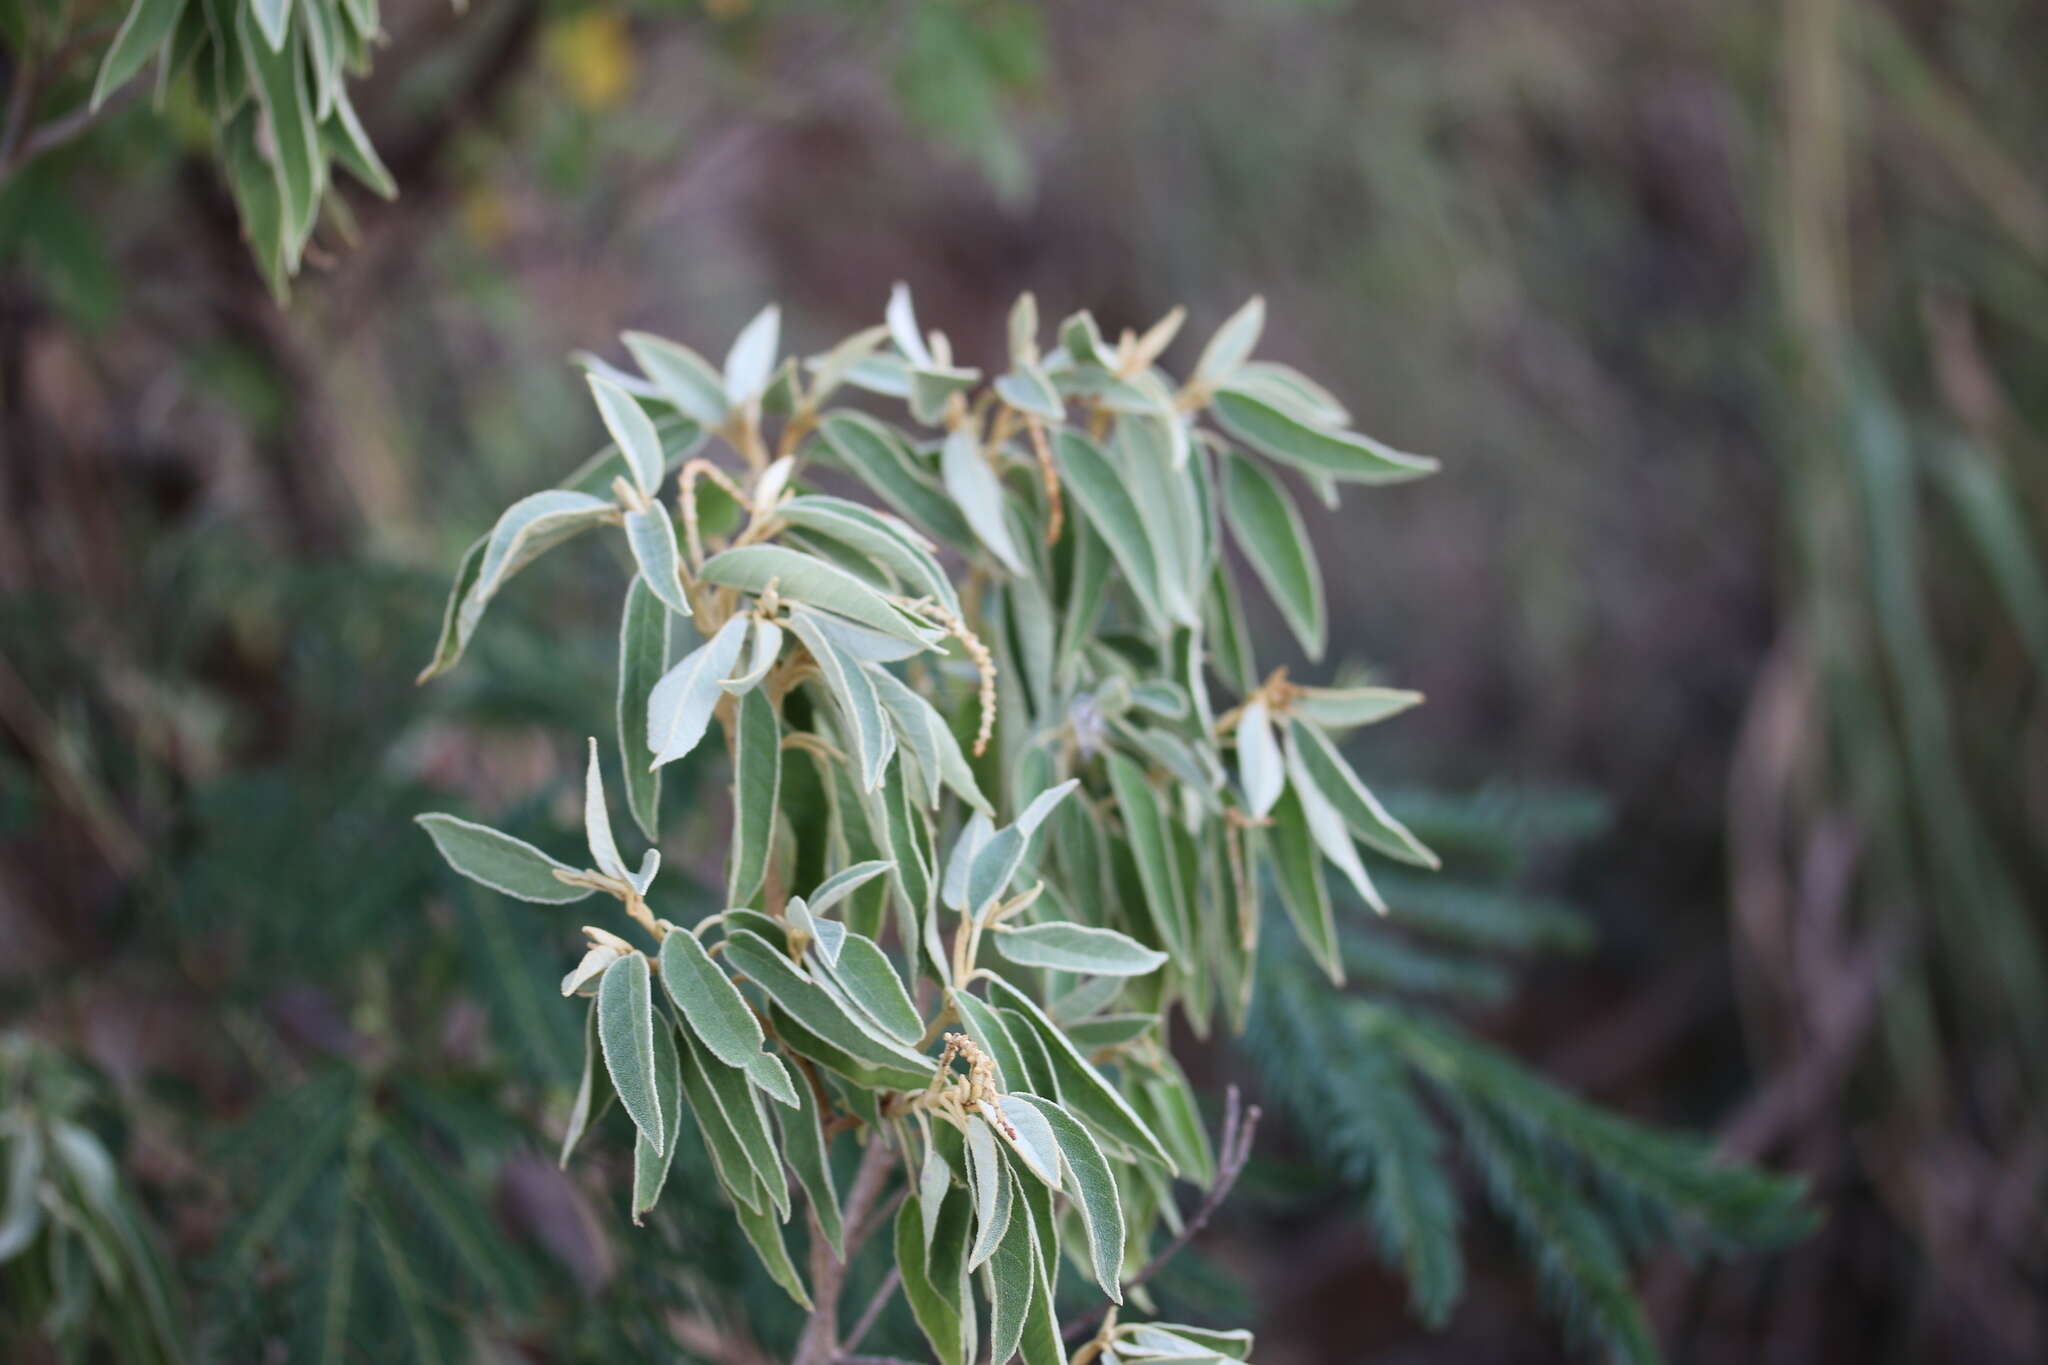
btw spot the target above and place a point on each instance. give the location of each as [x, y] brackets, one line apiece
[499, 861]
[986, 1027]
[845, 882]
[684, 378]
[651, 1165]
[1361, 810]
[803, 1142]
[593, 1091]
[1337, 708]
[815, 1009]
[1292, 392]
[974, 836]
[1269, 530]
[880, 458]
[1012, 1281]
[1027, 389]
[979, 494]
[741, 1109]
[1095, 1098]
[764, 645]
[632, 430]
[764, 1234]
[597, 821]
[799, 577]
[935, 1307]
[1167, 493]
[1260, 767]
[625, 1026]
[1086, 1177]
[149, 22]
[756, 796]
[887, 541]
[1107, 502]
[988, 1180]
[680, 706]
[1027, 1133]
[868, 981]
[930, 740]
[1145, 827]
[652, 538]
[1326, 826]
[1083, 948]
[853, 691]
[1171, 1339]
[1298, 870]
[717, 1014]
[1252, 418]
[457, 622]
[1232, 345]
[643, 656]
[900, 315]
[582, 978]
[751, 361]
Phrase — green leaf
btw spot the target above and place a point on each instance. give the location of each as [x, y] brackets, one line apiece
[652, 538]
[871, 985]
[1087, 1179]
[1233, 1345]
[756, 796]
[587, 1106]
[625, 1027]
[1077, 948]
[633, 431]
[937, 1313]
[597, 822]
[988, 1178]
[803, 1141]
[1251, 417]
[273, 17]
[142, 33]
[751, 361]
[1028, 1134]
[1012, 1281]
[277, 77]
[845, 882]
[643, 657]
[765, 1235]
[526, 530]
[1269, 529]
[1166, 490]
[978, 492]
[900, 315]
[1361, 810]
[985, 1026]
[765, 646]
[799, 577]
[1145, 827]
[1259, 766]
[931, 387]
[1233, 343]
[931, 740]
[684, 378]
[1292, 392]
[1298, 870]
[1341, 707]
[717, 1014]
[888, 541]
[500, 861]
[740, 1105]
[853, 692]
[457, 624]
[651, 1164]
[1326, 826]
[679, 708]
[1096, 1099]
[816, 1010]
[880, 458]
[1107, 503]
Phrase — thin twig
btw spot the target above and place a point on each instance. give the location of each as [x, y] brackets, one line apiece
[1239, 1127]
[880, 1300]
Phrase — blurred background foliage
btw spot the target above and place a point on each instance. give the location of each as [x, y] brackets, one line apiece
[1727, 317]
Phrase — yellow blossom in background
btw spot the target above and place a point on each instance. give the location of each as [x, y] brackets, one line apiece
[591, 55]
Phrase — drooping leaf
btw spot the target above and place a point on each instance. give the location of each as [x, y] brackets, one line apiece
[1086, 1177]
[1092, 1096]
[651, 1164]
[680, 706]
[979, 494]
[716, 1013]
[1259, 766]
[853, 691]
[652, 538]
[1103, 496]
[799, 577]
[1361, 810]
[500, 861]
[878, 456]
[643, 658]
[1298, 870]
[625, 1026]
[1252, 418]
[1269, 529]
[756, 796]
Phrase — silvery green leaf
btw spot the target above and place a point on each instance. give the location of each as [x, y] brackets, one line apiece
[1269, 529]
[1236, 1345]
[1029, 390]
[597, 821]
[774, 481]
[500, 861]
[650, 1163]
[1162, 697]
[457, 623]
[934, 1183]
[1023, 330]
[1082, 341]
[741, 1109]
[1233, 343]
[884, 373]
[597, 366]
[527, 529]
[632, 430]
[1116, 1030]
[1012, 1282]
[1106, 501]
[1081, 1086]
[1077, 948]
[931, 387]
[717, 1014]
[729, 1160]
[1145, 827]
[799, 577]
[833, 368]
[993, 867]
[1087, 591]
[586, 1106]
[845, 882]
[1335, 708]
[863, 971]
[684, 378]
[1245, 414]
[1259, 765]
[1326, 826]
[853, 692]
[785, 391]
[902, 323]
[643, 656]
[1028, 1135]
[986, 1027]
[352, 150]
[625, 1026]
[926, 732]
[974, 836]
[764, 646]
[142, 33]
[1292, 392]
[1223, 623]
[652, 537]
[816, 1010]
[680, 706]
[828, 937]
[1361, 810]
[764, 1234]
[751, 360]
[579, 979]
[935, 1305]
[803, 1142]
[1298, 871]
[1144, 458]
[989, 1182]
[273, 18]
[757, 795]
[858, 642]
[1088, 1180]
[888, 541]
[878, 456]
[1149, 1342]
